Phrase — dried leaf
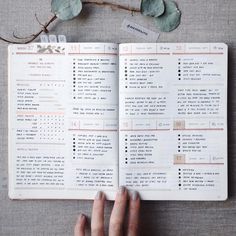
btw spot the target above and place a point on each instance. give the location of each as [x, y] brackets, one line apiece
[66, 9]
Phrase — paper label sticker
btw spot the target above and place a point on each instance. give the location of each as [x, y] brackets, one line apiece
[52, 38]
[139, 31]
[44, 38]
[61, 38]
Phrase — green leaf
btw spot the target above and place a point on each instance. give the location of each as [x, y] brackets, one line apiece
[170, 19]
[66, 9]
[152, 7]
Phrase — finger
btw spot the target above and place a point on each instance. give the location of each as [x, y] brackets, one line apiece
[118, 213]
[133, 216]
[80, 226]
[97, 223]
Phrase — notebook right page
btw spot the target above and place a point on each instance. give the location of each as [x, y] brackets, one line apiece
[173, 120]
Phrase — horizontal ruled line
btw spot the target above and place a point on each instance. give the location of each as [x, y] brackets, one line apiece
[86, 118]
[42, 143]
[148, 168]
[40, 80]
[144, 118]
[112, 54]
[152, 190]
[50, 101]
[144, 129]
[198, 84]
[198, 163]
[100, 165]
[94, 104]
[198, 53]
[38, 188]
[46, 89]
[199, 117]
[82, 188]
[39, 113]
[147, 92]
[110, 130]
[127, 54]
[36, 53]
[201, 129]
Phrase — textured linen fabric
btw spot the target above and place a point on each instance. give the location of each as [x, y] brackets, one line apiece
[202, 21]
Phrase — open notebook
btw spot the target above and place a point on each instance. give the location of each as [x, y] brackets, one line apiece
[85, 117]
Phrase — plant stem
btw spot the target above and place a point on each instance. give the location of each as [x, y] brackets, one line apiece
[34, 36]
[112, 5]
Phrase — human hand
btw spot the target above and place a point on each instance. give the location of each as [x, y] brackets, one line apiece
[117, 216]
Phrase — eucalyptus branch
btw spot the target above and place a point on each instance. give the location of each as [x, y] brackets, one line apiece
[112, 5]
[166, 20]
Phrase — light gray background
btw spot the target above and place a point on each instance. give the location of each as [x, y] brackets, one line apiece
[202, 21]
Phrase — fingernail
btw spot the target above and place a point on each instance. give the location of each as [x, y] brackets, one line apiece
[99, 195]
[121, 190]
[81, 218]
[135, 195]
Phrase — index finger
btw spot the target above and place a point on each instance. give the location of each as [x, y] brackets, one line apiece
[118, 213]
[97, 222]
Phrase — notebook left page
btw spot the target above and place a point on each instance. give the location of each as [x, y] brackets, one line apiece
[63, 138]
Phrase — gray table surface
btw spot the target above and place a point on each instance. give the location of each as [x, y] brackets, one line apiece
[202, 21]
